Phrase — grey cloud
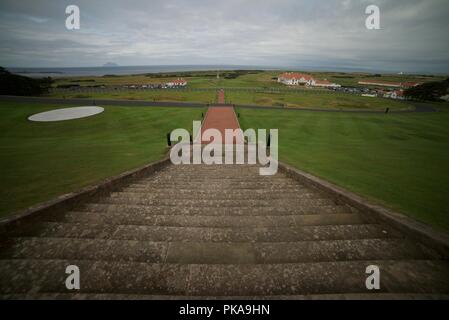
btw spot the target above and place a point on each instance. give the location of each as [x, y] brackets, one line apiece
[275, 33]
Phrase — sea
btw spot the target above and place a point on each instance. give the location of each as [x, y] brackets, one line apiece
[125, 70]
[132, 70]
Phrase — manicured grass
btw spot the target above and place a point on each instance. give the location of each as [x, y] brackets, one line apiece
[399, 160]
[304, 98]
[265, 79]
[314, 99]
[150, 95]
[42, 160]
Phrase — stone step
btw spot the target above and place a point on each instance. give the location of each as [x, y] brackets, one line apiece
[215, 189]
[242, 183]
[192, 234]
[213, 175]
[295, 252]
[205, 220]
[222, 211]
[214, 253]
[188, 203]
[194, 195]
[84, 249]
[213, 168]
[48, 276]
[217, 180]
[416, 276]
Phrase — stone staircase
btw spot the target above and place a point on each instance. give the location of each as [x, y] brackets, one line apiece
[215, 231]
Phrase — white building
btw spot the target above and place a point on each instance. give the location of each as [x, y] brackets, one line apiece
[324, 84]
[294, 79]
[177, 83]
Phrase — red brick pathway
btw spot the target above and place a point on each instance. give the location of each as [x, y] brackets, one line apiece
[221, 97]
[220, 118]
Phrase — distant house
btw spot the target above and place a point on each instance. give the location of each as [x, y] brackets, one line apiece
[398, 94]
[294, 79]
[369, 95]
[324, 84]
[395, 94]
[177, 83]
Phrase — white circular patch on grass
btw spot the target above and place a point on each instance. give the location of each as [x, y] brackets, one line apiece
[66, 114]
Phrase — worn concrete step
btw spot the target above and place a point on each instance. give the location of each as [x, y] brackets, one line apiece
[279, 234]
[213, 253]
[254, 203]
[213, 168]
[318, 278]
[217, 180]
[205, 220]
[212, 177]
[48, 276]
[192, 234]
[215, 189]
[217, 184]
[84, 249]
[225, 211]
[194, 195]
[295, 252]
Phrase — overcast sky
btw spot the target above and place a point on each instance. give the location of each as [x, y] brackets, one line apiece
[323, 33]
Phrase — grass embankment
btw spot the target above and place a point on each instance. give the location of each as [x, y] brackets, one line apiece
[42, 160]
[399, 160]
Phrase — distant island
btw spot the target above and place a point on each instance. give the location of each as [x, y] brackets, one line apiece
[110, 64]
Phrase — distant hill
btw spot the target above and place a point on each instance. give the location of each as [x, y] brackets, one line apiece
[13, 84]
[110, 64]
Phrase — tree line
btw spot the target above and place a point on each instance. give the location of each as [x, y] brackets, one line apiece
[17, 85]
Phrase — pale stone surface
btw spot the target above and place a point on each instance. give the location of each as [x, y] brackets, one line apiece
[66, 114]
[215, 231]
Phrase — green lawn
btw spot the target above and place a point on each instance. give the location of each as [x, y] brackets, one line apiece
[315, 99]
[263, 80]
[253, 79]
[398, 160]
[305, 98]
[42, 160]
[150, 95]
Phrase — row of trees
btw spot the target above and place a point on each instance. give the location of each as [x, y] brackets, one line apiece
[430, 91]
[16, 85]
